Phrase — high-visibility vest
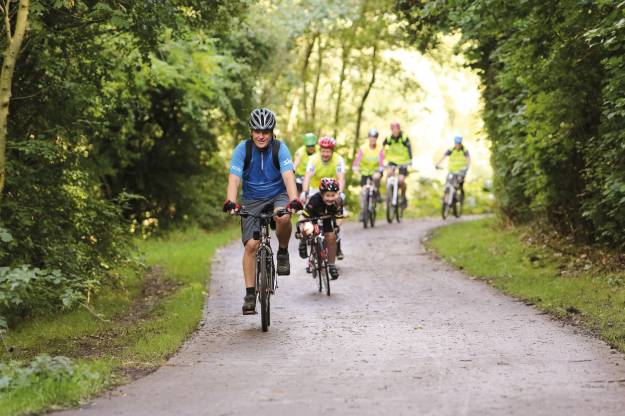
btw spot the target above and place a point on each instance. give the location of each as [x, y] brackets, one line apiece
[370, 161]
[457, 159]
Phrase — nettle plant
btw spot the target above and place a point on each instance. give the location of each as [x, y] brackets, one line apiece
[15, 375]
[25, 288]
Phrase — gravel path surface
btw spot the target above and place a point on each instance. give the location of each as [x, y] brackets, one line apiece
[402, 334]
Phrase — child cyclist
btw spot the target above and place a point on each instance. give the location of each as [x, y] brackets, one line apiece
[325, 202]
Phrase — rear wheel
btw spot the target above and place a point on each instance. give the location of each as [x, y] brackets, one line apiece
[264, 290]
[458, 205]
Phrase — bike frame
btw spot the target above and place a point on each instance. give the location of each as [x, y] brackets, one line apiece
[392, 184]
[266, 286]
[452, 188]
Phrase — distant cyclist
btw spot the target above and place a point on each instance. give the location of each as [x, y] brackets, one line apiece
[459, 161]
[301, 157]
[325, 164]
[369, 161]
[263, 164]
[398, 152]
[326, 202]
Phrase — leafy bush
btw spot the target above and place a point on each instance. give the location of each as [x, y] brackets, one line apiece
[60, 238]
[15, 375]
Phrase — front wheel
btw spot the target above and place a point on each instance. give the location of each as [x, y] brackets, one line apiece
[371, 211]
[365, 210]
[313, 263]
[445, 210]
[264, 290]
[389, 209]
[322, 264]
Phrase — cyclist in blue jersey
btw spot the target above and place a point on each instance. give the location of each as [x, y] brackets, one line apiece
[263, 164]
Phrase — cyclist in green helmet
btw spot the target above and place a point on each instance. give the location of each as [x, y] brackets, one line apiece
[301, 157]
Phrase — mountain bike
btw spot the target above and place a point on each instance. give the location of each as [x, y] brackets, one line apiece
[266, 278]
[452, 195]
[314, 234]
[369, 203]
[394, 209]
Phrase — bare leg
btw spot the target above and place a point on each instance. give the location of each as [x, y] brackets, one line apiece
[331, 243]
[249, 262]
[283, 230]
[402, 185]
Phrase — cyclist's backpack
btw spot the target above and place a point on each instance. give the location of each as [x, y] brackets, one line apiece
[275, 150]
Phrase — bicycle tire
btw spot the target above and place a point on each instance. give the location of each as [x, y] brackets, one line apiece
[264, 290]
[389, 212]
[327, 278]
[397, 213]
[312, 259]
[459, 205]
[365, 210]
[324, 276]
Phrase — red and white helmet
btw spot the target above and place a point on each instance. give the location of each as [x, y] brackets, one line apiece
[327, 142]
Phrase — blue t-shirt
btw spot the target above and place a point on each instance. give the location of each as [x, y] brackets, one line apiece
[261, 180]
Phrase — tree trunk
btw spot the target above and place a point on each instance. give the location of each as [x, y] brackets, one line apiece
[313, 107]
[304, 76]
[14, 44]
[339, 94]
[301, 96]
[361, 107]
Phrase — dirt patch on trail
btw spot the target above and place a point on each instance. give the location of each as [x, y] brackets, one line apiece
[110, 342]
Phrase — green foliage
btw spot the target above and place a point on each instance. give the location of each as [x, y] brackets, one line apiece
[117, 113]
[47, 383]
[553, 81]
[14, 375]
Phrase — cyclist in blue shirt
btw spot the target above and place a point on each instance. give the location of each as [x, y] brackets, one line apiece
[267, 180]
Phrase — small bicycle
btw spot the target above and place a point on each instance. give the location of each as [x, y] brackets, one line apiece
[311, 229]
[266, 279]
[452, 195]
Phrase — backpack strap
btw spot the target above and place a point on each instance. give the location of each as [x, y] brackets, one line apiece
[248, 154]
[275, 152]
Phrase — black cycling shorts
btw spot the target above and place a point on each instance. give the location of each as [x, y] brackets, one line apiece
[403, 170]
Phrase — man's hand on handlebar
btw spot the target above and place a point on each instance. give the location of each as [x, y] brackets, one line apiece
[295, 205]
[231, 208]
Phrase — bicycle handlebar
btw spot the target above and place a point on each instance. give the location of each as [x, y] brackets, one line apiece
[321, 218]
[263, 215]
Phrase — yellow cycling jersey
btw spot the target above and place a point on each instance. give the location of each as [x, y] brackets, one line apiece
[303, 162]
[321, 169]
[397, 150]
[370, 161]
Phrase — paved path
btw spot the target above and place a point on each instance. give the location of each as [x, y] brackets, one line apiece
[402, 334]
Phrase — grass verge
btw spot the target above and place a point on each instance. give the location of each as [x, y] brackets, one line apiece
[586, 295]
[139, 327]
